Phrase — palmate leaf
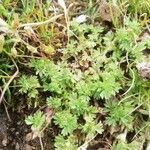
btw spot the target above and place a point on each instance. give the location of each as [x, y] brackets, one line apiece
[133, 26]
[113, 71]
[36, 121]
[29, 84]
[109, 82]
[44, 68]
[88, 87]
[78, 104]
[59, 81]
[71, 48]
[54, 102]
[66, 121]
[87, 38]
[124, 40]
[119, 113]
[53, 87]
[107, 88]
[137, 51]
[91, 127]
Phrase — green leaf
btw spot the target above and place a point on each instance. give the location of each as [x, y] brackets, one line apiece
[37, 120]
[91, 127]
[66, 121]
[119, 113]
[78, 104]
[54, 102]
[29, 84]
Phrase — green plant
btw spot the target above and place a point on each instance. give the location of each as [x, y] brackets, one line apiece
[126, 37]
[119, 113]
[75, 78]
[28, 7]
[107, 88]
[136, 7]
[78, 104]
[87, 36]
[29, 85]
[91, 127]
[54, 102]
[37, 122]
[90, 71]
[66, 121]
[65, 144]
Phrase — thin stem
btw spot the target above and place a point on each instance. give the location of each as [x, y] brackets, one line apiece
[10, 80]
[139, 131]
[40, 23]
[4, 72]
[126, 98]
[26, 56]
[66, 29]
[40, 139]
[8, 116]
[86, 143]
[133, 76]
[5, 76]
[132, 84]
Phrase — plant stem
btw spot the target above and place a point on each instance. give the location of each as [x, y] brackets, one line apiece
[40, 23]
[8, 83]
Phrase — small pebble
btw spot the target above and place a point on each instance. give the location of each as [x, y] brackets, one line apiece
[4, 142]
[17, 146]
[29, 137]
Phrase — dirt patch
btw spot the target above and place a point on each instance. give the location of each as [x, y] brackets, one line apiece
[16, 135]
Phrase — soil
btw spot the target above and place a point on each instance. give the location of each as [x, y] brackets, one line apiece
[16, 135]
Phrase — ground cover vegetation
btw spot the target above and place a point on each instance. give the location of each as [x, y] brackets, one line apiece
[77, 69]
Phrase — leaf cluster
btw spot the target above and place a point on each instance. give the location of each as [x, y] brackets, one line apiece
[90, 71]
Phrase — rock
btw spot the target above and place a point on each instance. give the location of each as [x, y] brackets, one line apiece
[144, 70]
[81, 19]
[29, 137]
[28, 147]
[17, 147]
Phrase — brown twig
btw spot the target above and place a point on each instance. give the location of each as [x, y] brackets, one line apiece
[42, 147]
[84, 146]
[8, 116]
